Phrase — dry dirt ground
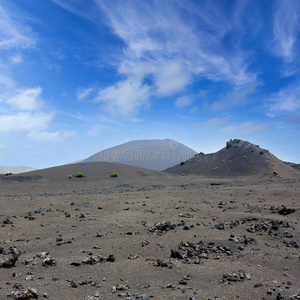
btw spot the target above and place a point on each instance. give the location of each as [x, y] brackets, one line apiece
[149, 236]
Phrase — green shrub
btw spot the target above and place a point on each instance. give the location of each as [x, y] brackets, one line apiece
[244, 156]
[79, 175]
[114, 175]
[2, 175]
[253, 172]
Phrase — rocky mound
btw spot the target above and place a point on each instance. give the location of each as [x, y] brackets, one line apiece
[237, 158]
[150, 154]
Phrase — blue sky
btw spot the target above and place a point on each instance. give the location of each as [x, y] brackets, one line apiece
[77, 77]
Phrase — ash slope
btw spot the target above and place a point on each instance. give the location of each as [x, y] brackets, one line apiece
[94, 171]
[238, 158]
[150, 154]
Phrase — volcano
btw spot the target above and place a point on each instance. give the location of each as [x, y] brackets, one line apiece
[237, 158]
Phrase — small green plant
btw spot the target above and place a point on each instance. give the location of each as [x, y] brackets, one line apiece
[230, 161]
[223, 160]
[114, 175]
[251, 162]
[2, 175]
[244, 156]
[253, 172]
[79, 175]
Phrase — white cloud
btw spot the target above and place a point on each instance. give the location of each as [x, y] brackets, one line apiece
[84, 93]
[16, 59]
[27, 99]
[287, 100]
[13, 34]
[158, 36]
[24, 121]
[218, 121]
[23, 112]
[239, 97]
[124, 98]
[248, 128]
[184, 101]
[45, 136]
[286, 28]
[171, 78]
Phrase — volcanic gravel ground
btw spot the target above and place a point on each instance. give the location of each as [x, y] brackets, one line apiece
[164, 237]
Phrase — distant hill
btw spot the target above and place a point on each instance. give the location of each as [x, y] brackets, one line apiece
[295, 166]
[149, 154]
[92, 171]
[238, 158]
[15, 170]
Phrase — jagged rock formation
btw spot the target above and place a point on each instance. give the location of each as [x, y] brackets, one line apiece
[237, 158]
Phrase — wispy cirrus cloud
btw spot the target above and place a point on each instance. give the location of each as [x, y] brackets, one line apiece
[238, 97]
[184, 101]
[286, 28]
[286, 101]
[167, 48]
[217, 121]
[245, 129]
[13, 34]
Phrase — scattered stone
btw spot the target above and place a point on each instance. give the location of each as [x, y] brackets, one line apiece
[135, 256]
[235, 276]
[267, 226]
[111, 258]
[220, 226]
[8, 262]
[161, 263]
[13, 256]
[275, 174]
[73, 284]
[92, 260]
[122, 287]
[21, 294]
[188, 216]
[7, 221]
[176, 254]
[292, 244]
[193, 252]
[49, 262]
[160, 227]
[42, 255]
[243, 240]
[145, 243]
[282, 210]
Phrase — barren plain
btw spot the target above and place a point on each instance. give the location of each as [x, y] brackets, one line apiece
[148, 235]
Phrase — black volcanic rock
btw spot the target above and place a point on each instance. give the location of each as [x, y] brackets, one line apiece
[150, 154]
[237, 158]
